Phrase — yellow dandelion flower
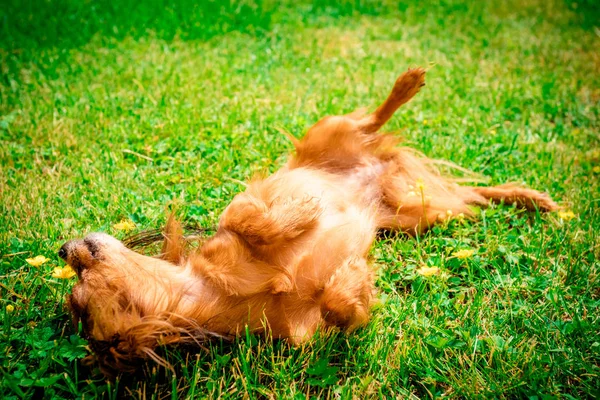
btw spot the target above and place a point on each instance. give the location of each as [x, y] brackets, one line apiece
[10, 308]
[428, 271]
[462, 254]
[449, 213]
[492, 132]
[37, 261]
[596, 169]
[460, 216]
[63, 273]
[566, 215]
[420, 184]
[424, 122]
[125, 225]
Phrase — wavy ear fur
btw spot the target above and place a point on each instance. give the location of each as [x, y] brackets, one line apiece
[128, 334]
[126, 350]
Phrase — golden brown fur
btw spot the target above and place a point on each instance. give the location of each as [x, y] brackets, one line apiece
[290, 253]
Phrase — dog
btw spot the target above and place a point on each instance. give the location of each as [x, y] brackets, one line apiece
[289, 254]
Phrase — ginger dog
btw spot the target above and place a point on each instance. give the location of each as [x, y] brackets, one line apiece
[289, 254]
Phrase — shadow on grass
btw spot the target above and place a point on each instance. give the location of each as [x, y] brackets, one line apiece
[43, 31]
[62, 24]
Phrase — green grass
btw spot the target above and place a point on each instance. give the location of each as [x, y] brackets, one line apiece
[113, 109]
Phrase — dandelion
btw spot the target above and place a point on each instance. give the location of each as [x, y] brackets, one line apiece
[424, 122]
[125, 225]
[492, 132]
[596, 169]
[420, 184]
[63, 273]
[462, 254]
[10, 308]
[566, 215]
[428, 271]
[449, 213]
[460, 216]
[593, 154]
[37, 261]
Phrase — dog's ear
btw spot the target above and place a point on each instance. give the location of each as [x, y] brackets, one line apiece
[127, 349]
[126, 346]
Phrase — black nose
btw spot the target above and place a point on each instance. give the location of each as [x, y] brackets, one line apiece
[62, 253]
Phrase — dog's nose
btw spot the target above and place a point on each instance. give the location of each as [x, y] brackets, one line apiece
[62, 252]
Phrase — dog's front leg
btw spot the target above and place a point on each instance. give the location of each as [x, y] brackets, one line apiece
[262, 224]
[347, 295]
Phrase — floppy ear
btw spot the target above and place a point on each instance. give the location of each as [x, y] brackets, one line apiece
[128, 348]
[122, 336]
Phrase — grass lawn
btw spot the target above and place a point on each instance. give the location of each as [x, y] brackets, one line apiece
[115, 110]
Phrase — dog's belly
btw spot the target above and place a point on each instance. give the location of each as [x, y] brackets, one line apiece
[366, 178]
[359, 185]
[345, 228]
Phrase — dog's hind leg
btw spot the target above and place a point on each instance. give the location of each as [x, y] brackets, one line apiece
[415, 212]
[529, 199]
[339, 142]
[405, 88]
